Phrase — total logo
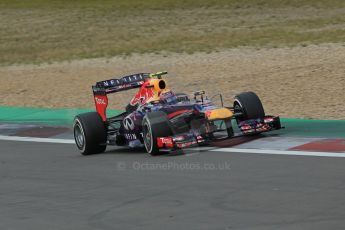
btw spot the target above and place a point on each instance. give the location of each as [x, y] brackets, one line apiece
[165, 140]
[100, 101]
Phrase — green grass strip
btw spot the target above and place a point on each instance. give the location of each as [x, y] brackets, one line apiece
[312, 128]
[48, 116]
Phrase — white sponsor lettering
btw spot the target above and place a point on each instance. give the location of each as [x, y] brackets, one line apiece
[166, 140]
[100, 101]
[130, 136]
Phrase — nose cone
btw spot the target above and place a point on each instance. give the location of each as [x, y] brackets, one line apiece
[217, 114]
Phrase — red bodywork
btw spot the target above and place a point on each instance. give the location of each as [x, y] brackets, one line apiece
[101, 102]
[165, 142]
[144, 94]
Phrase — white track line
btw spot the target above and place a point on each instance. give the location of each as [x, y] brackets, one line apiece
[232, 150]
[37, 139]
[281, 152]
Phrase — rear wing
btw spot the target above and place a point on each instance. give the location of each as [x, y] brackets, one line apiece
[102, 88]
[124, 83]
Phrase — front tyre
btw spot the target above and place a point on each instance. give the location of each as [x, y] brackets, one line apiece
[90, 133]
[249, 105]
[155, 124]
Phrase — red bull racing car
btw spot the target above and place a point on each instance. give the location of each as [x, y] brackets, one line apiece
[161, 121]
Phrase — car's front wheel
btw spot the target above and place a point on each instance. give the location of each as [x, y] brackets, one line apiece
[249, 105]
[90, 133]
[155, 124]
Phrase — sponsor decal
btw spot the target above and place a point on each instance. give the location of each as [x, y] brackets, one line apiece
[130, 136]
[128, 123]
[186, 144]
[100, 101]
[118, 82]
[165, 142]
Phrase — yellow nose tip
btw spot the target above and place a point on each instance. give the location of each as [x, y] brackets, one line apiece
[221, 113]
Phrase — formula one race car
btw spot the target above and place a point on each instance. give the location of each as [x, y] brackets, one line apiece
[162, 120]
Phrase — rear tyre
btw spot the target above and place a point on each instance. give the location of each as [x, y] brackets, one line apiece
[90, 133]
[155, 124]
[249, 104]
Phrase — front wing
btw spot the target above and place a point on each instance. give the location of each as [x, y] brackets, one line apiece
[190, 139]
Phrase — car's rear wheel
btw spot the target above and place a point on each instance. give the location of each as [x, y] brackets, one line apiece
[249, 105]
[155, 124]
[90, 133]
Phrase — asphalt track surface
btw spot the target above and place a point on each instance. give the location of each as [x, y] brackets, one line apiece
[51, 186]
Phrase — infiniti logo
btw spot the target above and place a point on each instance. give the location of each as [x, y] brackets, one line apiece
[128, 123]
